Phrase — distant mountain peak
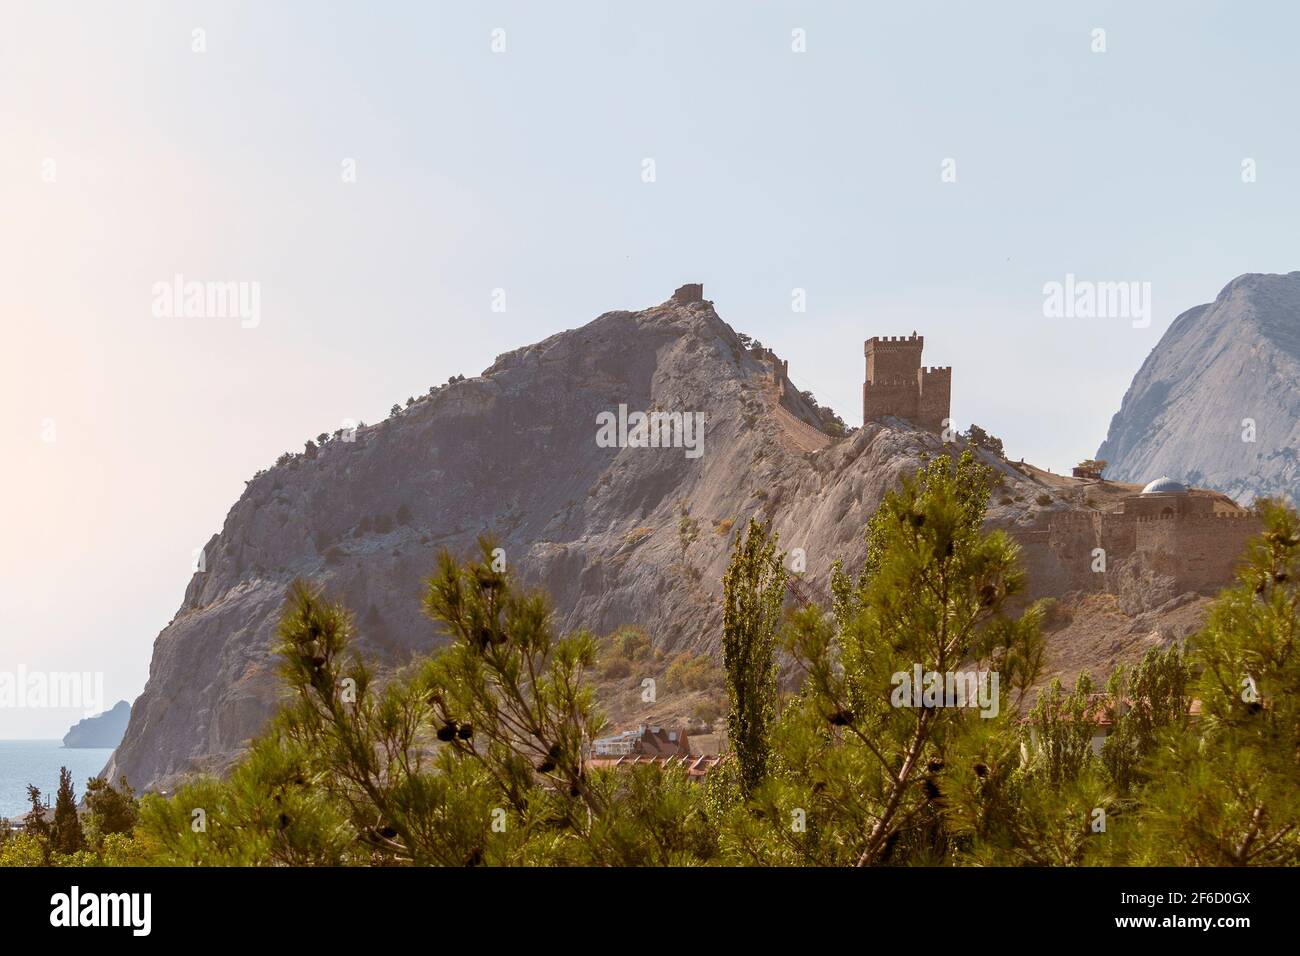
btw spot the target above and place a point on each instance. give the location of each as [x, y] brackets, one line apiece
[1216, 402]
[102, 730]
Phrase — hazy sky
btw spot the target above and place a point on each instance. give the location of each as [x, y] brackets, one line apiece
[128, 158]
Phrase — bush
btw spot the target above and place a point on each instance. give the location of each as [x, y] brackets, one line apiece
[616, 668]
[707, 712]
[636, 536]
[691, 672]
[22, 849]
[631, 644]
[982, 439]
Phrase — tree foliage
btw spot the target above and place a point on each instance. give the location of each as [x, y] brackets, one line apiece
[66, 835]
[861, 777]
[753, 591]
[479, 754]
[474, 756]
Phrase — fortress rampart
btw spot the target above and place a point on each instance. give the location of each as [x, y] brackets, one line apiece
[1196, 540]
[778, 369]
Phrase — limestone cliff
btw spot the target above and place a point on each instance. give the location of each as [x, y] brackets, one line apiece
[1216, 402]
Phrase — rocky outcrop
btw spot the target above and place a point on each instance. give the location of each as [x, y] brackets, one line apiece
[516, 452]
[102, 730]
[1216, 404]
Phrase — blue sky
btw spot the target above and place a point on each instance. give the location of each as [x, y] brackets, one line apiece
[522, 171]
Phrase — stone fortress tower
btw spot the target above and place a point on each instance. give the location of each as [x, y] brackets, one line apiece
[897, 385]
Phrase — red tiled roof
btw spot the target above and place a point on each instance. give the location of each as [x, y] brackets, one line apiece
[695, 765]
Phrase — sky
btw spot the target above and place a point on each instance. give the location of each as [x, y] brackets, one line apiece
[379, 171]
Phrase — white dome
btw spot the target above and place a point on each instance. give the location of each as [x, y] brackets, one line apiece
[1165, 486]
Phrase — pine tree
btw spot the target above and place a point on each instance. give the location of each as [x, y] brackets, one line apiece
[66, 835]
[860, 779]
[475, 756]
[110, 809]
[37, 826]
[1225, 791]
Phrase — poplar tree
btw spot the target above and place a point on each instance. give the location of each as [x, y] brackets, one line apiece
[753, 593]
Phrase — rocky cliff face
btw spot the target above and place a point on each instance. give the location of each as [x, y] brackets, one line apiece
[514, 452]
[1216, 402]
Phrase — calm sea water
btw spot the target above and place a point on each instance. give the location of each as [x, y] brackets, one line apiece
[38, 761]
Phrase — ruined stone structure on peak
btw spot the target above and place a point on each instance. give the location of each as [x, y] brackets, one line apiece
[686, 294]
[898, 386]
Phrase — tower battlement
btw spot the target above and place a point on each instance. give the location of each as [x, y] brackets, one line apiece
[882, 341]
[898, 386]
[891, 383]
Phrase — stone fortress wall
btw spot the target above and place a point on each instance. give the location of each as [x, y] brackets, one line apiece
[1192, 540]
[1206, 548]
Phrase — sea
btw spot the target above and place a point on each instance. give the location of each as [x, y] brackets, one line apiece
[38, 761]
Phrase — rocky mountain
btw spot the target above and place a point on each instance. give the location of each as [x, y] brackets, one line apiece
[1216, 402]
[102, 730]
[522, 451]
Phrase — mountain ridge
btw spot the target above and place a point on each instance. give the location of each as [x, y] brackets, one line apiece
[514, 452]
[1215, 402]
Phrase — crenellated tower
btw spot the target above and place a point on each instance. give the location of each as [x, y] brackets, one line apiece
[898, 386]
